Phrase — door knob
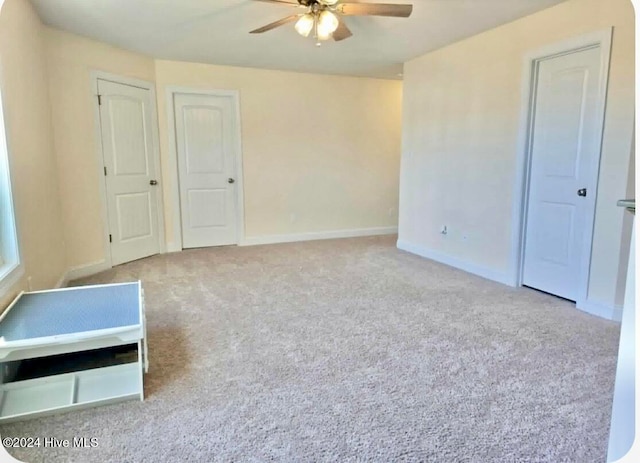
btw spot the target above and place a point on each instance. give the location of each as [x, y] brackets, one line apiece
[582, 192]
[153, 182]
[231, 180]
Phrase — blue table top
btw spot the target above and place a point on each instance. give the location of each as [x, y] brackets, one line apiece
[77, 310]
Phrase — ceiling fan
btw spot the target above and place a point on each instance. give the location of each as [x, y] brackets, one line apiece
[323, 17]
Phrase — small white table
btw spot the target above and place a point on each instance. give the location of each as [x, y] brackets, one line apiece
[62, 321]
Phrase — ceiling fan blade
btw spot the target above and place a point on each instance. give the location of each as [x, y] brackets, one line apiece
[273, 25]
[375, 9]
[342, 32]
[286, 2]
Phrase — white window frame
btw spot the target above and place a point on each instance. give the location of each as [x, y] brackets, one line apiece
[11, 268]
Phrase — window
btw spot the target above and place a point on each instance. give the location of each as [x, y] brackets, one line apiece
[9, 255]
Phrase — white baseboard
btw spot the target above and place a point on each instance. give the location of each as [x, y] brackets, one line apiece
[62, 282]
[172, 246]
[601, 310]
[311, 236]
[594, 308]
[617, 313]
[82, 271]
[479, 270]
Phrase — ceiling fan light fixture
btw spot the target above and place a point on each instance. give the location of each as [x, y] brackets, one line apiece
[327, 24]
[323, 35]
[305, 24]
[322, 17]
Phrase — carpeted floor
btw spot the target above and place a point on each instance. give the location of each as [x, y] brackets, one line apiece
[348, 350]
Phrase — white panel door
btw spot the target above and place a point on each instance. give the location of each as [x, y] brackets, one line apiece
[206, 138]
[130, 171]
[563, 174]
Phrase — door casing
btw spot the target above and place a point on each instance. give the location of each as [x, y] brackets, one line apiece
[601, 39]
[176, 244]
[101, 75]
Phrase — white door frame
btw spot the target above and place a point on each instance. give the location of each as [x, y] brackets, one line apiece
[101, 75]
[176, 245]
[600, 39]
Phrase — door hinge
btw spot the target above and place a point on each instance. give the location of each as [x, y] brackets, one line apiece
[105, 171]
[99, 100]
[110, 239]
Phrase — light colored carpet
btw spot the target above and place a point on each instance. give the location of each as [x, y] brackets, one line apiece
[348, 350]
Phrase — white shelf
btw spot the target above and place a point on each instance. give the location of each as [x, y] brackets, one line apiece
[44, 324]
[24, 397]
[118, 381]
[53, 394]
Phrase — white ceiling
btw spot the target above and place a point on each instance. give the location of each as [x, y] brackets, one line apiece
[217, 31]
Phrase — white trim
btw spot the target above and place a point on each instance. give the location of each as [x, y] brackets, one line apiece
[484, 272]
[12, 270]
[11, 278]
[62, 281]
[172, 246]
[601, 310]
[172, 166]
[155, 128]
[171, 91]
[324, 235]
[617, 313]
[601, 39]
[85, 270]
[106, 248]
[101, 75]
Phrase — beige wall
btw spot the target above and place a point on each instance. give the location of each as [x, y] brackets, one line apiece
[23, 79]
[71, 59]
[461, 119]
[320, 153]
